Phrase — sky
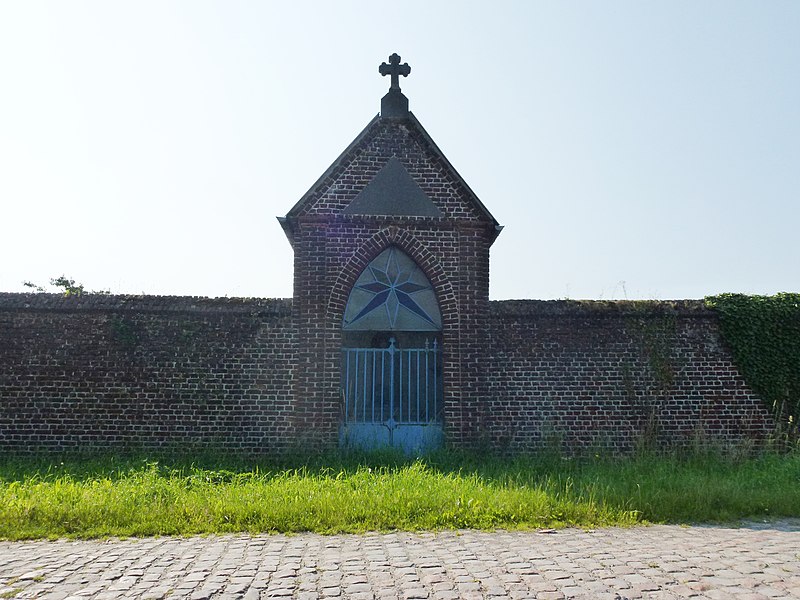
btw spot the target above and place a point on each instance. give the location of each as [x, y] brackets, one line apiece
[632, 150]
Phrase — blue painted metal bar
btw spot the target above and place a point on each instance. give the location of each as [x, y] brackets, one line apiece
[427, 372]
[355, 390]
[364, 395]
[372, 417]
[417, 352]
[346, 385]
[383, 387]
[408, 388]
[391, 379]
[435, 386]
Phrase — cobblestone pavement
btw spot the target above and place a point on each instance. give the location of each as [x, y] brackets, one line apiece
[749, 562]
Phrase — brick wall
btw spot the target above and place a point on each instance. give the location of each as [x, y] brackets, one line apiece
[613, 375]
[99, 372]
[122, 372]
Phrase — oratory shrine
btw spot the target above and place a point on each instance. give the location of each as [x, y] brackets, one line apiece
[391, 286]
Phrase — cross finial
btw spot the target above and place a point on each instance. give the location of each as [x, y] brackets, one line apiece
[395, 69]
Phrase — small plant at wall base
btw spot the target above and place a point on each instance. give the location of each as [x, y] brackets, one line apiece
[763, 333]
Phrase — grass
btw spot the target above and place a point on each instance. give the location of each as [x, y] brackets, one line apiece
[125, 496]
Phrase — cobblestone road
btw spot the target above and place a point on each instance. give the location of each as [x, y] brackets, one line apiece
[750, 562]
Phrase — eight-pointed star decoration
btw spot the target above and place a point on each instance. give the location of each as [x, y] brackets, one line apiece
[392, 294]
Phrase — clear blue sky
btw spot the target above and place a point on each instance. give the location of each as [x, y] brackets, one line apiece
[631, 149]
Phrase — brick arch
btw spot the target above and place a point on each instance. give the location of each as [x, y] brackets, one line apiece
[408, 243]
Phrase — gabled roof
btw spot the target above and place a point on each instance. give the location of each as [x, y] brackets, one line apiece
[329, 177]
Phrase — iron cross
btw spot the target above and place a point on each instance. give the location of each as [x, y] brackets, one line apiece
[395, 69]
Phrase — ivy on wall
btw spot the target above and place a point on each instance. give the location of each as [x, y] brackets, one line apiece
[763, 333]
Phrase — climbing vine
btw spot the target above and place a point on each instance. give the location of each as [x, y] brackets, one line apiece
[656, 334]
[658, 338]
[763, 333]
[123, 332]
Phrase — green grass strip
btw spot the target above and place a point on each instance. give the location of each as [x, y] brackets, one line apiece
[111, 496]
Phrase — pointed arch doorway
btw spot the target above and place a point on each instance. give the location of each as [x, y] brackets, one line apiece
[391, 365]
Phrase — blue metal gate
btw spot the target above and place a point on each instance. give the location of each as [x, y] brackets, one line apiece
[392, 397]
